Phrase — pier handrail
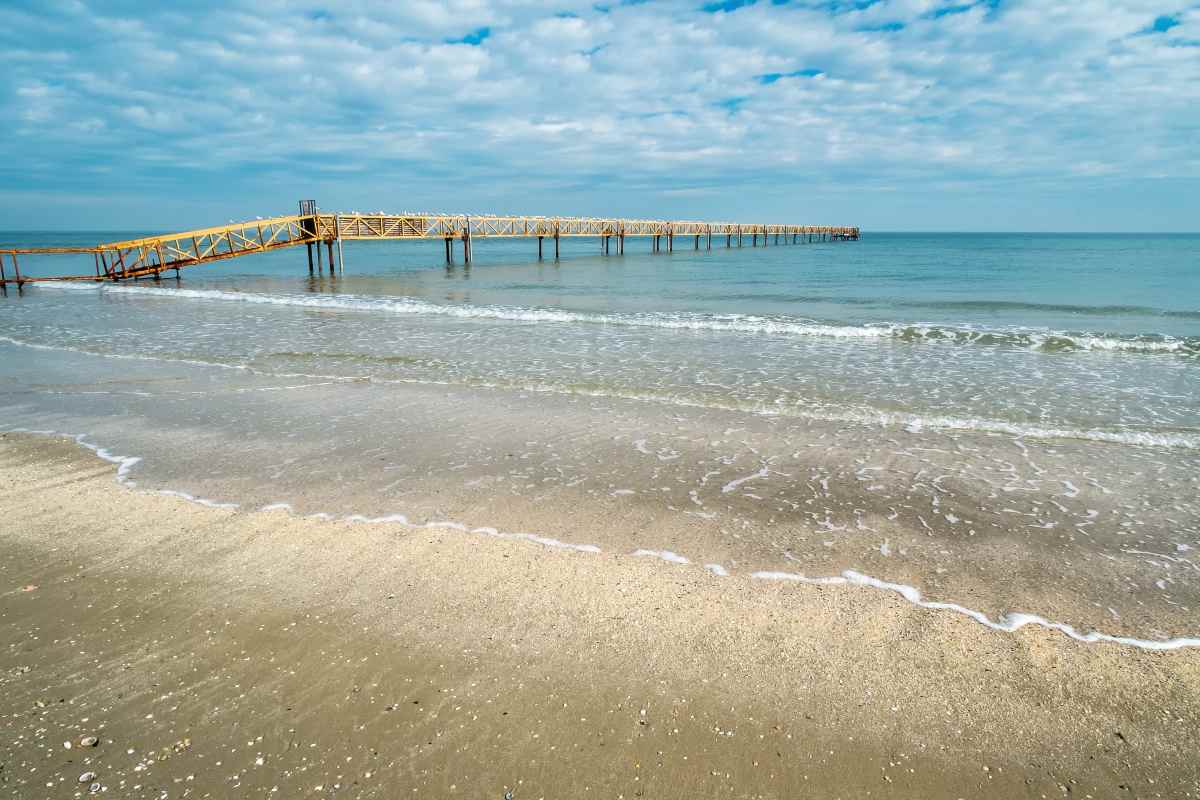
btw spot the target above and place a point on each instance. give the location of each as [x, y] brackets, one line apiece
[149, 256]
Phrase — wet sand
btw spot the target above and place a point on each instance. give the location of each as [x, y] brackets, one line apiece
[217, 653]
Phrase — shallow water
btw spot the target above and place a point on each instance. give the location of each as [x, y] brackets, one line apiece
[1007, 421]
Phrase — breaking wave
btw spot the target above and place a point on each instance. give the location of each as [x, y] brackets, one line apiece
[1040, 340]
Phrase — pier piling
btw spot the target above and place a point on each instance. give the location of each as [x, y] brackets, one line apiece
[338, 231]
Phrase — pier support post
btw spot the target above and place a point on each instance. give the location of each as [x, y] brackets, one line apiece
[621, 243]
[697, 247]
[310, 260]
[556, 240]
[539, 248]
[329, 248]
[709, 238]
[341, 256]
[449, 251]
[671, 242]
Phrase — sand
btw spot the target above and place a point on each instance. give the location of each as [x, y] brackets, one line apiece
[223, 653]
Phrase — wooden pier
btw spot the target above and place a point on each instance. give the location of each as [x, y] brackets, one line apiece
[151, 256]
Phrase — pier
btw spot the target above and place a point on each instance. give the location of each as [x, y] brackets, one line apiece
[322, 234]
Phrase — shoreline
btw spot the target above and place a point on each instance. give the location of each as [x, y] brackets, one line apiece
[736, 665]
[1008, 622]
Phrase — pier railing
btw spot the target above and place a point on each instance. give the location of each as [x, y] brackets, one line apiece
[152, 255]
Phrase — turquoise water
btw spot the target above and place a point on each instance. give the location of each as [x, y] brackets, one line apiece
[1008, 419]
[1127, 283]
[997, 331]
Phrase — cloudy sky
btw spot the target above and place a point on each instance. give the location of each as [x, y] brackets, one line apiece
[891, 114]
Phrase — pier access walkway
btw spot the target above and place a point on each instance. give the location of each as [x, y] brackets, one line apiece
[151, 256]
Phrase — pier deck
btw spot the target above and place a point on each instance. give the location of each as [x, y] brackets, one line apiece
[151, 256]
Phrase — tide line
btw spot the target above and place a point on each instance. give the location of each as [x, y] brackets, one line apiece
[1010, 623]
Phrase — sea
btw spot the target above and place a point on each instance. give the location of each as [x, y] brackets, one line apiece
[1003, 426]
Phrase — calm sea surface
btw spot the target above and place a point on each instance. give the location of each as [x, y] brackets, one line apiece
[909, 404]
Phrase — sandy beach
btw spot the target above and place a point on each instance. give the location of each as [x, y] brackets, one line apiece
[553, 401]
[218, 653]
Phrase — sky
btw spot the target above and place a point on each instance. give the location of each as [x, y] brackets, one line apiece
[889, 114]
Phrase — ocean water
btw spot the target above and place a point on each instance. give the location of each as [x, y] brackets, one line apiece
[1006, 422]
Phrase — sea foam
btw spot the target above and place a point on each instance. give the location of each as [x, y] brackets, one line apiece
[1048, 340]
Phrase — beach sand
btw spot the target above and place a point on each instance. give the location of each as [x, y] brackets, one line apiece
[222, 653]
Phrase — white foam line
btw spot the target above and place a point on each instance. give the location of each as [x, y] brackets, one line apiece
[401, 519]
[1007, 624]
[1010, 623]
[738, 323]
[197, 500]
[124, 463]
[665, 555]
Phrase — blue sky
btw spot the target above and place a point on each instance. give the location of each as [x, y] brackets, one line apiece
[893, 114]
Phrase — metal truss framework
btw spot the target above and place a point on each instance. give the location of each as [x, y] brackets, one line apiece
[150, 256]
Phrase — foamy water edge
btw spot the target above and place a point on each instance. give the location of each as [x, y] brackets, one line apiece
[1010, 623]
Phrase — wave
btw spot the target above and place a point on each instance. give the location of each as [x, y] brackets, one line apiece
[869, 417]
[974, 305]
[863, 416]
[1041, 340]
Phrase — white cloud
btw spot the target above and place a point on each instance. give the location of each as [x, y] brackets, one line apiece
[1031, 90]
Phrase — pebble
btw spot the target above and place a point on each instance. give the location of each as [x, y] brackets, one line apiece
[87, 777]
[89, 741]
[95, 787]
